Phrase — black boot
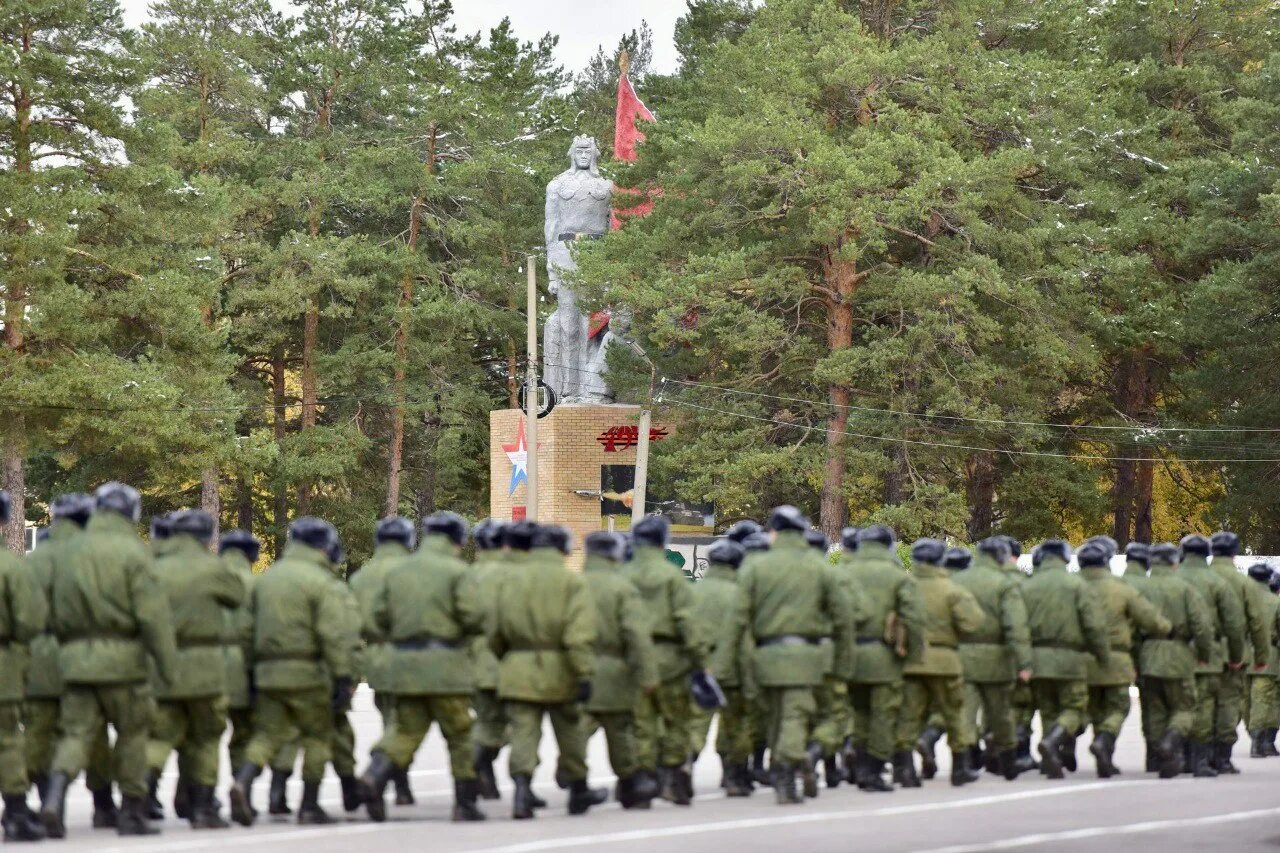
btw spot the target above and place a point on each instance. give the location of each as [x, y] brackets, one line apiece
[1025, 761]
[182, 799]
[277, 797]
[133, 817]
[926, 745]
[464, 802]
[1104, 743]
[831, 771]
[737, 781]
[1152, 762]
[241, 794]
[784, 785]
[105, 813]
[849, 760]
[904, 770]
[1050, 749]
[351, 799]
[1169, 754]
[871, 775]
[521, 800]
[404, 791]
[810, 770]
[1255, 744]
[1007, 762]
[666, 784]
[1269, 742]
[309, 811]
[483, 762]
[155, 811]
[41, 783]
[19, 822]
[203, 813]
[684, 785]
[1069, 754]
[961, 772]
[1201, 761]
[1188, 758]
[759, 772]
[54, 806]
[583, 797]
[373, 785]
[991, 762]
[1222, 760]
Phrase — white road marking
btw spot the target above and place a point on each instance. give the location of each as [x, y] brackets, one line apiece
[1096, 831]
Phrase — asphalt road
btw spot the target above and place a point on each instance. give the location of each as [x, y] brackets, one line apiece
[1132, 811]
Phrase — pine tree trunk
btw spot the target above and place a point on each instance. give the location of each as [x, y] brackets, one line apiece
[280, 515]
[15, 484]
[244, 504]
[980, 489]
[1142, 499]
[310, 329]
[210, 501]
[16, 296]
[840, 281]
[1134, 397]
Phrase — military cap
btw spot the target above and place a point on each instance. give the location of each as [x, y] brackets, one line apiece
[817, 539]
[1224, 543]
[76, 506]
[1138, 552]
[957, 559]
[726, 552]
[519, 536]
[1195, 544]
[653, 531]
[192, 522]
[395, 528]
[740, 530]
[317, 533]
[161, 528]
[757, 542]
[119, 498]
[928, 551]
[553, 536]
[849, 539]
[877, 533]
[1166, 554]
[602, 543]
[1112, 546]
[1261, 572]
[1051, 548]
[1015, 547]
[996, 547]
[448, 524]
[786, 517]
[240, 540]
[1092, 553]
[488, 534]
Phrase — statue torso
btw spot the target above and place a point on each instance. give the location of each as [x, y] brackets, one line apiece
[580, 201]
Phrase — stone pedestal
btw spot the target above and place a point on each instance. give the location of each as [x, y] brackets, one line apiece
[575, 442]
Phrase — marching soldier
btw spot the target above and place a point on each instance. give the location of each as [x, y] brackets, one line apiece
[302, 664]
[625, 664]
[1137, 562]
[1168, 665]
[662, 718]
[239, 550]
[998, 654]
[785, 597]
[1225, 547]
[394, 539]
[891, 635]
[1066, 625]
[109, 614]
[937, 678]
[490, 730]
[191, 711]
[754, 542]
[1127, 613]
[831, 723]
[23, 615]
[715, 595]
[427, 608]
[1264, 709]
[1213, 717]
[542, 629]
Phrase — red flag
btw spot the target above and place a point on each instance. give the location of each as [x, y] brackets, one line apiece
[626, 136]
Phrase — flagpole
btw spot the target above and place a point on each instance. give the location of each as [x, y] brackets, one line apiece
[531, 394]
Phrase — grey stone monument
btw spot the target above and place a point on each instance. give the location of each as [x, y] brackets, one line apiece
[578, 201]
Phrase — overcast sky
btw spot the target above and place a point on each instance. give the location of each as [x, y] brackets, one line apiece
[583, 25]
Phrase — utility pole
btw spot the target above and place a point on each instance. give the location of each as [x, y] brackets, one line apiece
[531, 395]
[638, 492]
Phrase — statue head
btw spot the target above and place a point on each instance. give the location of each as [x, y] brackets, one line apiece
[584, 154]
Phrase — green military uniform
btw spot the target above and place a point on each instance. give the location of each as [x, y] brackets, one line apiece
[994, 654]
[302, 644]
[625, 665]
[1066, 625]
[785, 596]
[1215, 720]
[1264, 701]
[23, 615]
[1127, 613]
[890, 635]
[110, 615]
[1168, 664]
[237, 640]
[542, 629]
[1235, 682]
[715, 595]
[490, 731]
[1135, 575]
[662, 717]
[936, 679]
[368, 584]
[833, 721]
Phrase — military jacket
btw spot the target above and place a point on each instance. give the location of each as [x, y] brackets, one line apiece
[1264, 601]
[786, 596]
[1127, 613]
[1255, 622]
[201, 590]
[44, 678]
[429, 610]
[892, 625]
[543, 630]
[950, 614]
[368, 585]
[107, 608]
[302, 624]
[1066, 623]
[1192, 637]
[715, 595]
[488, 566]
[237, 638]
[23, 616]
[667, 598]
[1001, 646]
[1225, 608]
[625, 661]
